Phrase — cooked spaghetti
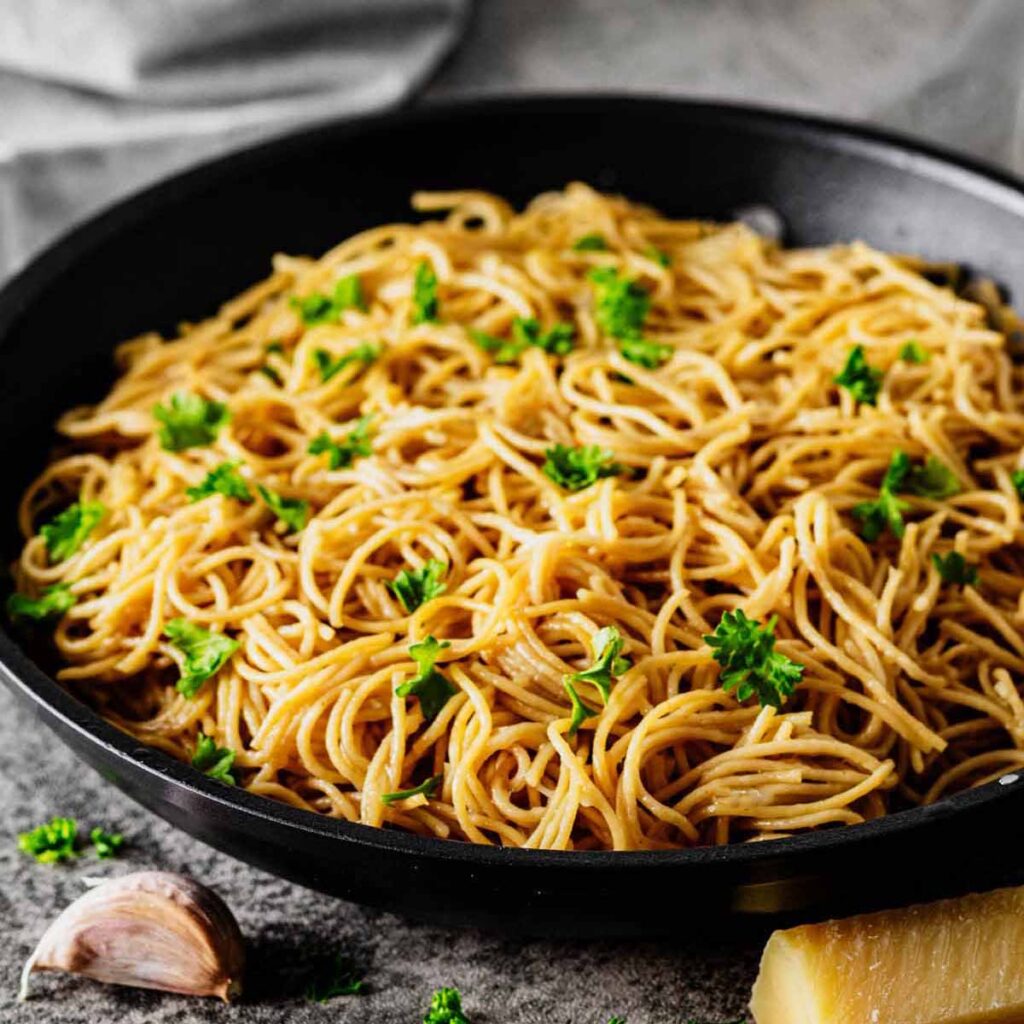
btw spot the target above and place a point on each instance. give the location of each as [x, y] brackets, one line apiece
[575, 528]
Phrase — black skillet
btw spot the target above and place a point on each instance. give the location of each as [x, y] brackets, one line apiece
[177, 250]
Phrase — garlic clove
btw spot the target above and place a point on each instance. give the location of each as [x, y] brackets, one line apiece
[149, 929]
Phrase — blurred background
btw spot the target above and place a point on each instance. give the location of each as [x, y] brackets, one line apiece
[100, 97]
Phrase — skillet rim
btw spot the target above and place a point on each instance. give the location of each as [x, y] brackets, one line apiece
[48, 700]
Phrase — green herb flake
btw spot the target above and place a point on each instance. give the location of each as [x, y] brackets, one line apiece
[318, 308]
[1017, 479]
[424, 294]
[750, 665]
[428, 788]
[953, 568]
[68, 530]
[446, 1008]
[341, 454]
[414, 587]
[364, 353]
[662, 258]
[223, 479]
[429, 686]
[217, 762]
[575, 469]
[859, 378]
[337, 979]
[526, 333]
[52, 842]
[580, 711]
[53, 601]
[106, 844]
[189, 421]
[594, 242]
[914, 352]
[271, 374]
[934, 480]
[293, 512]
[649, 354]
[621, 305]
[205, 653]
[608, 663]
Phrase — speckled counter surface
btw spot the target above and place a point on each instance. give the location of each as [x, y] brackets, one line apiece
[503, 981]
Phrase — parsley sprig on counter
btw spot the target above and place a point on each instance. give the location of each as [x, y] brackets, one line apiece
[446, 1008]
[414, 587]
[223, 479]
[575, 469]
[318, 308]
[750, 665]
[429, 686]
[53, 601]
[57, 840]
[338, 978]
[189, 421]
[69, 530]
[205, 653]
[859, 378]
[106, 844]
[212, 760]
[341, 454]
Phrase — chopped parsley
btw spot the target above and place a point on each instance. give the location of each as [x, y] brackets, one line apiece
[338, 979]
[575, 469]
[212, 760]
[271, 374]
[223, 479]
[859, 378]
[953, 568]
[424, 294]
[934, 480]
[106, 844]
[293, 512]
[1017, 479]
[429, 686]
[205, 653]
[341, 454]
[414, 587]
[558, 340]
[364, 353]
[318, 308]
[652, 252]
[914, 352]
[68, 530]
[594, 242]
[189, 421]
[580, 711]
[622, 303]
[649, 354]
[607, 644]
[54, 600]
[52, 842]
[428, 788]
[446, 1008]
[750, 665]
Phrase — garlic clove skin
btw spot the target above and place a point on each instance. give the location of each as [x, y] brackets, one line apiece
[149, 929]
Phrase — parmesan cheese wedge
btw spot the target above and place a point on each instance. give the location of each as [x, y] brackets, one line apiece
[953, 962]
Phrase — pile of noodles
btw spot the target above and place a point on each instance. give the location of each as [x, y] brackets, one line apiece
[743, 461]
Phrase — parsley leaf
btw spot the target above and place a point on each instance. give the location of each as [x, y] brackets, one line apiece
[106, 844]
[223, 479]
[580, 711]
[617, 1020]
[577, 468]
[52, 842]
[859, 378]
[212, 760]
[1017, 479]
[428, 685]
[750, 665]
[271, 374]
[558, 340]
[68, 530]
[428, 787]
[594, 242]
[933, 480]
[953, 568]
[189, 421]
[341, 454]
[339, 979]
[622, 303]
[424, 294]
[54, 600]
[649, 354]
[446, 1008]
[652, 252]
[364, 353]
[607, 644]
[414, 587]
[914, 352]
[318, 308]
[205, 653]
[293, 512]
